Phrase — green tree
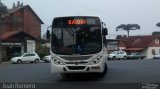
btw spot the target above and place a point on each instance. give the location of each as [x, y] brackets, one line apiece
[42, 50]
[3, 9]
[119, 37]
[158, 24]
[156, 33]
[124, 36]
[127, 27]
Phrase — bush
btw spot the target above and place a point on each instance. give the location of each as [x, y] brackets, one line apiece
[42, 50]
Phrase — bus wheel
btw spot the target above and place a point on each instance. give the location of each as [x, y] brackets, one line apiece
[65, 75]
[104, 71]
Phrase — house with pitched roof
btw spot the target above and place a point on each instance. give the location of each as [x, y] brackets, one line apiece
[20, 28]
[148, 44]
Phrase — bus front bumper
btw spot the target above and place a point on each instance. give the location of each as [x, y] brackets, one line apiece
[96, 68]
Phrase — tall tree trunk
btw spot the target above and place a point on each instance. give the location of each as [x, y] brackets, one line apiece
[128, 33]
[0, 54]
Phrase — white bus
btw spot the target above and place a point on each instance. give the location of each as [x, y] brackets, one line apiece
[78, 45]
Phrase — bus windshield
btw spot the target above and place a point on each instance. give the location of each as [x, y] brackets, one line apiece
[79, 39]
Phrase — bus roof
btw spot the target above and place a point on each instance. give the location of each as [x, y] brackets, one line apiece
[77, 16]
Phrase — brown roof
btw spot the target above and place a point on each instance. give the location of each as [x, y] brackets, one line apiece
[14, 33]
[138, 41]
[121, 44]
[133, 49]
[8, 34]
[17, 9]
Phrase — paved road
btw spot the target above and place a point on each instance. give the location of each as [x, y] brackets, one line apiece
[121, 71]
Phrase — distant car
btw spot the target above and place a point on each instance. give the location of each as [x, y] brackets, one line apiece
[117, 55]
[26, 57]
[47, 58]
[156, 56]
[136, 55]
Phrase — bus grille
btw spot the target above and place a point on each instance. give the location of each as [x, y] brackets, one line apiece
[76, 67]
[76, 57]
[76, 62]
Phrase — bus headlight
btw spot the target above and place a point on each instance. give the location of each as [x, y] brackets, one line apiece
[96, 60]
[57, 61]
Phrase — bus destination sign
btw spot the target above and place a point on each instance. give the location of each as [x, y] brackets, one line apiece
[77, 22]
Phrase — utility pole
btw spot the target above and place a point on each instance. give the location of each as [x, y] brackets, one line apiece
[0, 40]
[0, 45]
[0, 51]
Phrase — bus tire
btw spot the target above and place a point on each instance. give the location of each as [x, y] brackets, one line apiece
[104, 71]
[65, 75]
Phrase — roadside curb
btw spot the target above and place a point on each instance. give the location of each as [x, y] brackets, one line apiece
[5, 63]
[11, 63]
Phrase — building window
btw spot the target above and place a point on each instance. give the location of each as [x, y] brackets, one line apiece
[156, 41]
[153, 51]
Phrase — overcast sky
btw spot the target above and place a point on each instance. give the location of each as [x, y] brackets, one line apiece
[146, 13]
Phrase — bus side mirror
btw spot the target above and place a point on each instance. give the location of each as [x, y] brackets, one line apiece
[105, 31]
[48, 34]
